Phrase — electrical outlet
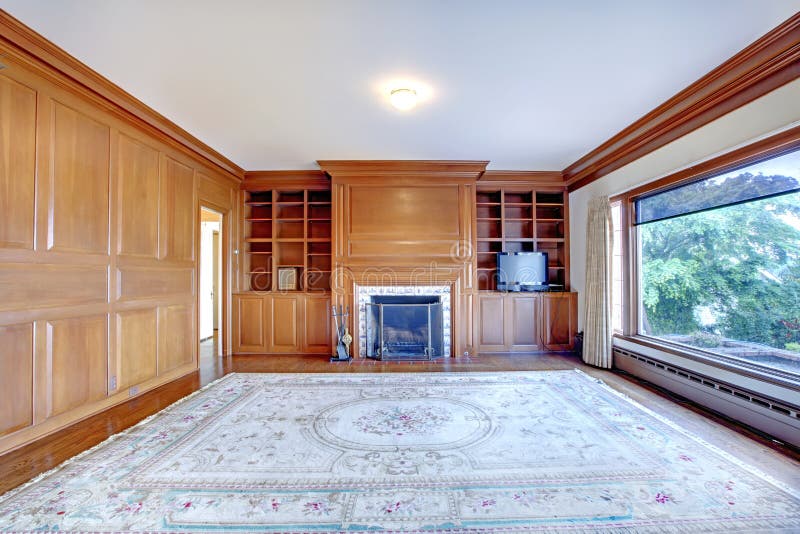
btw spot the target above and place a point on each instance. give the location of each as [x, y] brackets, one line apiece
[133, 391]
[112, 385]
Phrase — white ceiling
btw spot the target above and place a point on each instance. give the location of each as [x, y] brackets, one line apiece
[529, 85]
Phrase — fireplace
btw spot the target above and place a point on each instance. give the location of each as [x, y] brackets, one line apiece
[404, 327]
[403, 322]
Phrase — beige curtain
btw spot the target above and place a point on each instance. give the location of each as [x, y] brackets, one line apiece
[597, 329]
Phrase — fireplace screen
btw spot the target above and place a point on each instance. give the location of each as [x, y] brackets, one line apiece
[404, 327]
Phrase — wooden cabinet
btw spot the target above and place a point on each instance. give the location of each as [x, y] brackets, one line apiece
[250, 323]
[317, 324]
[521, 323]
[282, 323]
[491, 322]
[559, 320]
[525, 322]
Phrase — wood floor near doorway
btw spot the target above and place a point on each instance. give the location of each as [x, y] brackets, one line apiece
[19, 466]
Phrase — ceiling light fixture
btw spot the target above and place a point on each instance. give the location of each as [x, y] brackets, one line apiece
[403, 98]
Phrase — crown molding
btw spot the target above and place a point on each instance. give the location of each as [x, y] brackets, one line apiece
[449, 168]
[768, 63]
[24, 45]
[302, 179]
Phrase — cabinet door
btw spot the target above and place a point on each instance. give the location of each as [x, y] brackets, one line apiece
[491, 323]
[559, 320]
[249, 323]
[317, 324]
[521, 320]
[284, 323]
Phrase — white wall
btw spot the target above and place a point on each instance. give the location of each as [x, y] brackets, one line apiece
[206, 285]
[773, 112]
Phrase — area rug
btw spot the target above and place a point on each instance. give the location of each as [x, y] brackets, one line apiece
[473, 452]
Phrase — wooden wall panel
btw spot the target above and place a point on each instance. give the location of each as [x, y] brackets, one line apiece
[77, 350]
[78, 183]
[17, 163]
[212, 191]
[27, 286]
[105, 289]
[146, 282]
[176, 337]
[137, 346]
[177, 211]
[16, 377]
[137, 198]
[404, 213]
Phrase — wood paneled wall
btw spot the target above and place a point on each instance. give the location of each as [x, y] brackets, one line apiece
[98, 254]
[406, 223]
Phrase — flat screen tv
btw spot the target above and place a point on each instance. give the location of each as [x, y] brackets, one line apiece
[522, 271]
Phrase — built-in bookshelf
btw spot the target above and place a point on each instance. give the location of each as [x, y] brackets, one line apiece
[288, 238]
[513, 220]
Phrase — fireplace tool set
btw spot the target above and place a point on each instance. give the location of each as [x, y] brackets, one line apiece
[344, 339]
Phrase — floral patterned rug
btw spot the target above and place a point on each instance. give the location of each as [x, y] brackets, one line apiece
[474, 452]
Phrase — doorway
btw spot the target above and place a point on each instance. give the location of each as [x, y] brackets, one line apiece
[210, 286]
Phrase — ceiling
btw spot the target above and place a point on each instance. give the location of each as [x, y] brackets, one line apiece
[529, 85]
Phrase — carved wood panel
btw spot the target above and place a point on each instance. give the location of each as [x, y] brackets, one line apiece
[77, 350]
[78, 183]
[176, 337]
[17, 163]
[177, 211]
[137, 346]
[138, 175]
[16, 377]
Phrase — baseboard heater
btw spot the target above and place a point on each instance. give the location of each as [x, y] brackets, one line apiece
[768, 415]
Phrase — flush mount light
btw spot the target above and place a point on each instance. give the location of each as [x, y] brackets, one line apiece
[403, 98]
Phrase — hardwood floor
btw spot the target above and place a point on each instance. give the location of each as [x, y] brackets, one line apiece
[19, 466]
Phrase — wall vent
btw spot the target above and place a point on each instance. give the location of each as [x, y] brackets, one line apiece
[721, 387]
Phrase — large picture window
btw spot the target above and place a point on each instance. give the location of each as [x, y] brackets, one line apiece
[719, 264]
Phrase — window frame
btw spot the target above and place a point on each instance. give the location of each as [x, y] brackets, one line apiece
[764, 149]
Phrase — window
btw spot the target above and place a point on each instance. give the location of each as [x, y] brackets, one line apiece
[719, 264]
[616, 267]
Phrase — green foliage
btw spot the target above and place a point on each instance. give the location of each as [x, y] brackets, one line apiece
[742, 262]
[793, 347]
[706, 340]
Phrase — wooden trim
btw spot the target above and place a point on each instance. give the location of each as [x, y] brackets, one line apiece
[25, 45]
[266, 180]
[768, 63]
[767, 148]
[465, 169]
[555, 178]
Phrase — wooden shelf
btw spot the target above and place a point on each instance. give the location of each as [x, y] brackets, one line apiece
[288, 228]
[520, 218]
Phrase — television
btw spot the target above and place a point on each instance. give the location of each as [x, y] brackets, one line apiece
[522, 271]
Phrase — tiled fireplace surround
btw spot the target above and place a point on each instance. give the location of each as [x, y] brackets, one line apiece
[363, 294]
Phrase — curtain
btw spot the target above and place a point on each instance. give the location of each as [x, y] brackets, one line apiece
[598, 331]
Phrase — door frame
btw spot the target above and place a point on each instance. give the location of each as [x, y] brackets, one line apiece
[224, 339]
